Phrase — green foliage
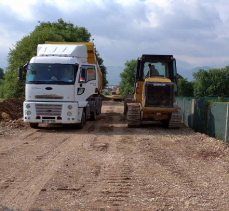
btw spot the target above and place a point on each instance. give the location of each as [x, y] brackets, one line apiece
[127, 78]
[180, 76]
[185, 88]
[1, 73]
[1, 82]
[1, 86]
[26, 48]
[212, 83]
[106, 93]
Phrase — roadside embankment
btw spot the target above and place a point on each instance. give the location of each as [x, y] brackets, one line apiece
[11, 112]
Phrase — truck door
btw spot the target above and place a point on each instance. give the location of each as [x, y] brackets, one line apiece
[88, 81]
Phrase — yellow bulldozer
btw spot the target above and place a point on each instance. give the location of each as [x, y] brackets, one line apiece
[116, 95]
[155, 89]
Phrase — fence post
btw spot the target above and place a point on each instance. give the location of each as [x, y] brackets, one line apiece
[193, 112]
[184, 110]
[226, 125]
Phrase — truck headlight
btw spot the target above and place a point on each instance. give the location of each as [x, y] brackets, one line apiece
[70, 107]
[28, 106]
[80, 91]
[69, 113]
[28, 112]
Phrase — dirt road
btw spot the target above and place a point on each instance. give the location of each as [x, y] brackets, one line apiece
[107, 166]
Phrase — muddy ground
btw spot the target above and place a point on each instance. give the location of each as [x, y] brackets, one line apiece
[107, 166]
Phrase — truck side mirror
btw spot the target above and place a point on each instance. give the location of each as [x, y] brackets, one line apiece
[19, 73]
[25, 65]
[82, 75]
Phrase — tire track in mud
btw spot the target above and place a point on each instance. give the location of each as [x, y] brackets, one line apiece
[116, 185]
[108, 118]
[7, 157]
[116, 179]
[23, 191]
[107, 166]
[171, 181]
[113, 181]
[18, 142]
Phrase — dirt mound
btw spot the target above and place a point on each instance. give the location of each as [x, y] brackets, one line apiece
[11, 109]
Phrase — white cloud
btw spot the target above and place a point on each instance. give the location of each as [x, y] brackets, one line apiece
[197, 32]
[21, 8]
[207, 61]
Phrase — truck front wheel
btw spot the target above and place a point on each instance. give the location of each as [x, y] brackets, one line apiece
[83, 120]
[33, 125]
[98, 111]
[93, 116]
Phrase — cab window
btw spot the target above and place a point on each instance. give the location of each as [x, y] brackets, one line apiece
[90, 73]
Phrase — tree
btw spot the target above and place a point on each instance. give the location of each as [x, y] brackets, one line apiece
[26, 48]
[185, 88]
[1, 73]
[179, 76]
[1, 86]
[212, 83]
[127, 78]
[1, 82]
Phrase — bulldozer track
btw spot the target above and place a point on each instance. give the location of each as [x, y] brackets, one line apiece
[133, 115]
[176, 119]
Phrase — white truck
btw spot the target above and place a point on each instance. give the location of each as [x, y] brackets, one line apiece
[63, 84]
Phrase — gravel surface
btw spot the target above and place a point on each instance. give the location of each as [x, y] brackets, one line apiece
[107, 166]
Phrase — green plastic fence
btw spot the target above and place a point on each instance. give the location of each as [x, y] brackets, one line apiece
[213, 99]
[205, 115]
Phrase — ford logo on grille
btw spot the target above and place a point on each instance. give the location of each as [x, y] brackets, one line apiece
[48, 88]
[49, 111]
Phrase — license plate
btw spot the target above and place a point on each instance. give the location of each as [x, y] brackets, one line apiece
[48, 121]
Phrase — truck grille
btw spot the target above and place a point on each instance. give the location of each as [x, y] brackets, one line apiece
[159, 94]
[48, 110]
[48, 97]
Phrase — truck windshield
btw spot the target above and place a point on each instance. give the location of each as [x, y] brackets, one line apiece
[51, 73]
[156, 69]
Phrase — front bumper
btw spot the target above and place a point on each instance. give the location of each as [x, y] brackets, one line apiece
[32, 113]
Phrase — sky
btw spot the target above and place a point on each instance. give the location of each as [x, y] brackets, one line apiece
[196, 32]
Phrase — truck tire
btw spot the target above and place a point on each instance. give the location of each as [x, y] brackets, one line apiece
[98, 112]
[33, 125]
[83, 120]
[93, 116]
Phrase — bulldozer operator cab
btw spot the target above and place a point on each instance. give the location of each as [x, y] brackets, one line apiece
[155, 80]
[158, 69]
[156, 66]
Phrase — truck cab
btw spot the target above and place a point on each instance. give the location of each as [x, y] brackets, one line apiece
[63, 84]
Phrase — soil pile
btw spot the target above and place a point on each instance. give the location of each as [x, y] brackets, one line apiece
[11, 113]
[11, 109]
